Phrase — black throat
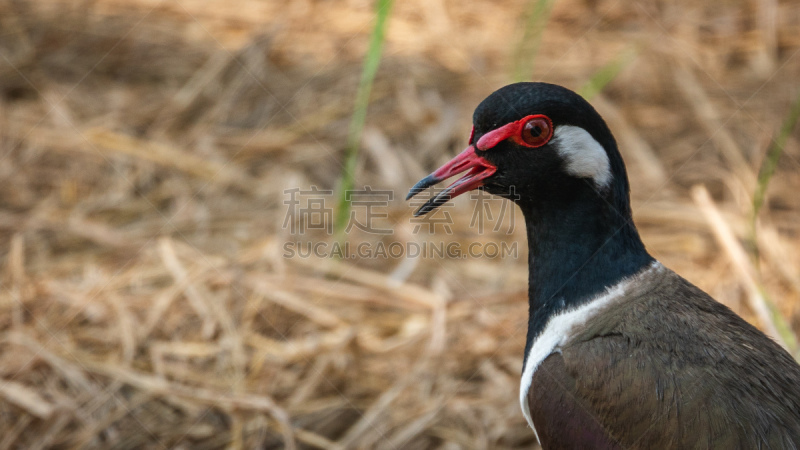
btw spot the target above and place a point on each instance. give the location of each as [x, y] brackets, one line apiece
[577, 247]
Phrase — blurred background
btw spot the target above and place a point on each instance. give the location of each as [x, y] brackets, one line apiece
[148, 150]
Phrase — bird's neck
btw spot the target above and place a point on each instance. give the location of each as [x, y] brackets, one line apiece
[575, 253]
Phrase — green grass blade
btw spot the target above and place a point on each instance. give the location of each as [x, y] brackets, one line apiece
[371, 62]
[528, 46]
[770, 163]
[607, 73]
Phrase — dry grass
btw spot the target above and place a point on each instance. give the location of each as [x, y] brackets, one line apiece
[145, 147]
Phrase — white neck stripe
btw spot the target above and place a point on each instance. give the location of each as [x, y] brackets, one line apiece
[561, 328]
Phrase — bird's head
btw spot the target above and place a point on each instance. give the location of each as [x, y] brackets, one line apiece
[534, 143]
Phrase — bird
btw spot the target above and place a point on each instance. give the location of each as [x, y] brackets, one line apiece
[621, 352]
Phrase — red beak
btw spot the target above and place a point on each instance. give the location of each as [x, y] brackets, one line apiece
[479, 169]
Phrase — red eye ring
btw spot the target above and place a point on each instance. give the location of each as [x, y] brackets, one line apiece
[517, 132]
[534, 131]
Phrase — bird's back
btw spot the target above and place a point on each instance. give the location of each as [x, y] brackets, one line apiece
[667, 367]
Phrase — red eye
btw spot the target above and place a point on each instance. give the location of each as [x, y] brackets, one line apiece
[536, 132]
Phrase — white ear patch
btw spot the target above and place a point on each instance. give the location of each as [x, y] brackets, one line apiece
[585, 157]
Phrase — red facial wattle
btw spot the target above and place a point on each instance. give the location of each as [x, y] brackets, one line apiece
[517, 132]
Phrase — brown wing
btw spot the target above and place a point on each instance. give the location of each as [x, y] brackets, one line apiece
[670, 369]
[562, 420]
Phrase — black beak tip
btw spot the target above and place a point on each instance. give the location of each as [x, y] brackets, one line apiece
[421, 211]
[422, 184]
[434, 202]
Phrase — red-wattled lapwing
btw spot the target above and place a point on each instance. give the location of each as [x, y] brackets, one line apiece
[621, 352]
